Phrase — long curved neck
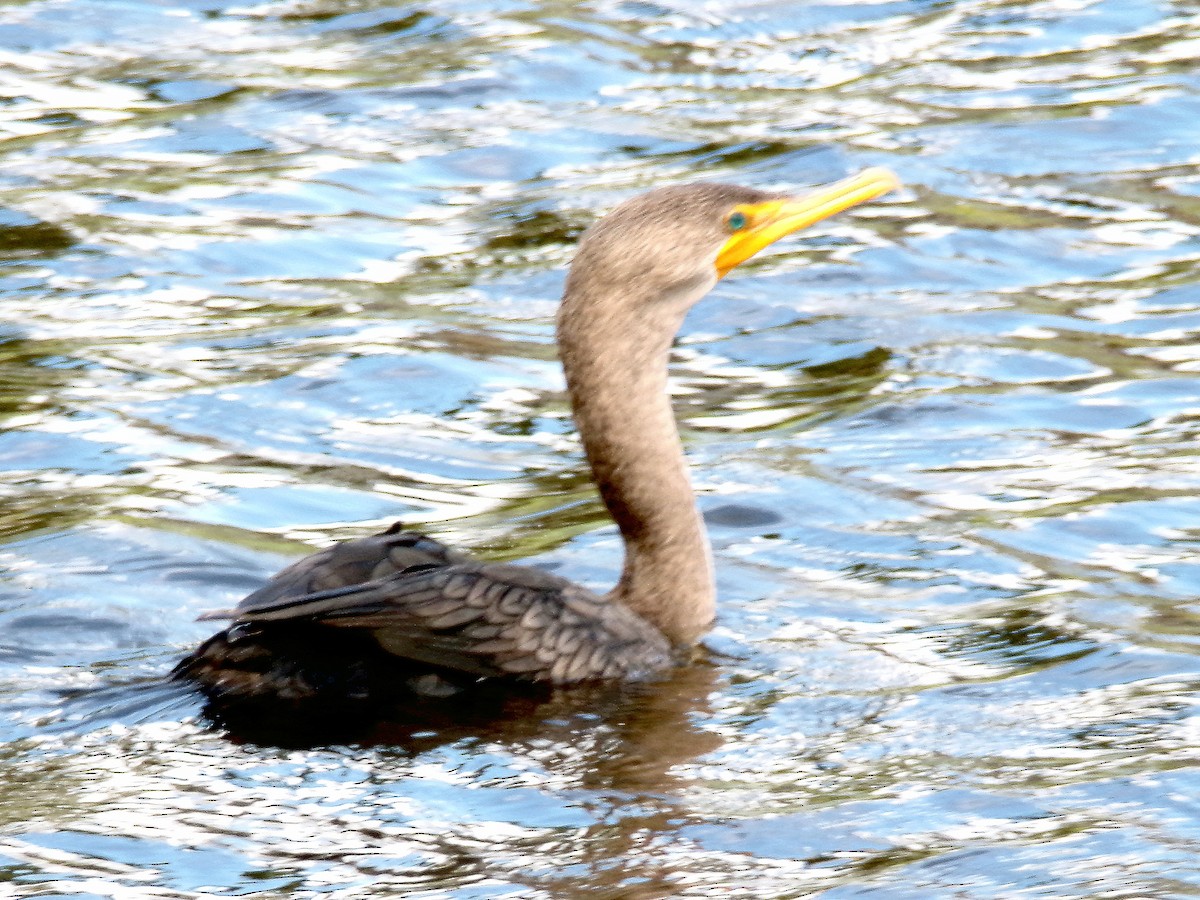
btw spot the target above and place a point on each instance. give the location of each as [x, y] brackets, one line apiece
[616, 369]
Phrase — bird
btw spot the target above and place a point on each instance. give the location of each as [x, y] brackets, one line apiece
[400, 611]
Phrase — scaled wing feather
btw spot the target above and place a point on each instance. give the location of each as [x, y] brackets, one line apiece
[469, 616]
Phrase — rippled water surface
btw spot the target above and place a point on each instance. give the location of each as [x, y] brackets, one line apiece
[279, 273]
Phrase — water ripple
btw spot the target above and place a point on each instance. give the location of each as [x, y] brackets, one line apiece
[278, 273]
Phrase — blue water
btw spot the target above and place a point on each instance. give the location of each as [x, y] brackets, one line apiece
[278, 273]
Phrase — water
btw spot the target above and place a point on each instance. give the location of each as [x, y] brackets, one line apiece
[279, 273]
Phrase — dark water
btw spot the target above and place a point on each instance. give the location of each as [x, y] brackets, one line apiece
[278, 273]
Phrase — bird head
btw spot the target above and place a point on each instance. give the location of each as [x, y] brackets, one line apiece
[677, 241]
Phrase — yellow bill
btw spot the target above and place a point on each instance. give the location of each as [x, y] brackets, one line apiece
[758, 225]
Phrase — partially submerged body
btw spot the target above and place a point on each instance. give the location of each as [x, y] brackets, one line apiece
[400, 612]
[397, 612]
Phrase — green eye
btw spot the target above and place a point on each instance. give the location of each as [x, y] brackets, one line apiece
[737, 221]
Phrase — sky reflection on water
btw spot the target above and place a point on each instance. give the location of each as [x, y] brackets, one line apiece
[278, 273]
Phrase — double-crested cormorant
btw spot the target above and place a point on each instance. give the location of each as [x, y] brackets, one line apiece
[370, 615]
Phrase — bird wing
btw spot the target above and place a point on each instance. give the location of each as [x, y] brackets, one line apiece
[344, 564]
[485, 619]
